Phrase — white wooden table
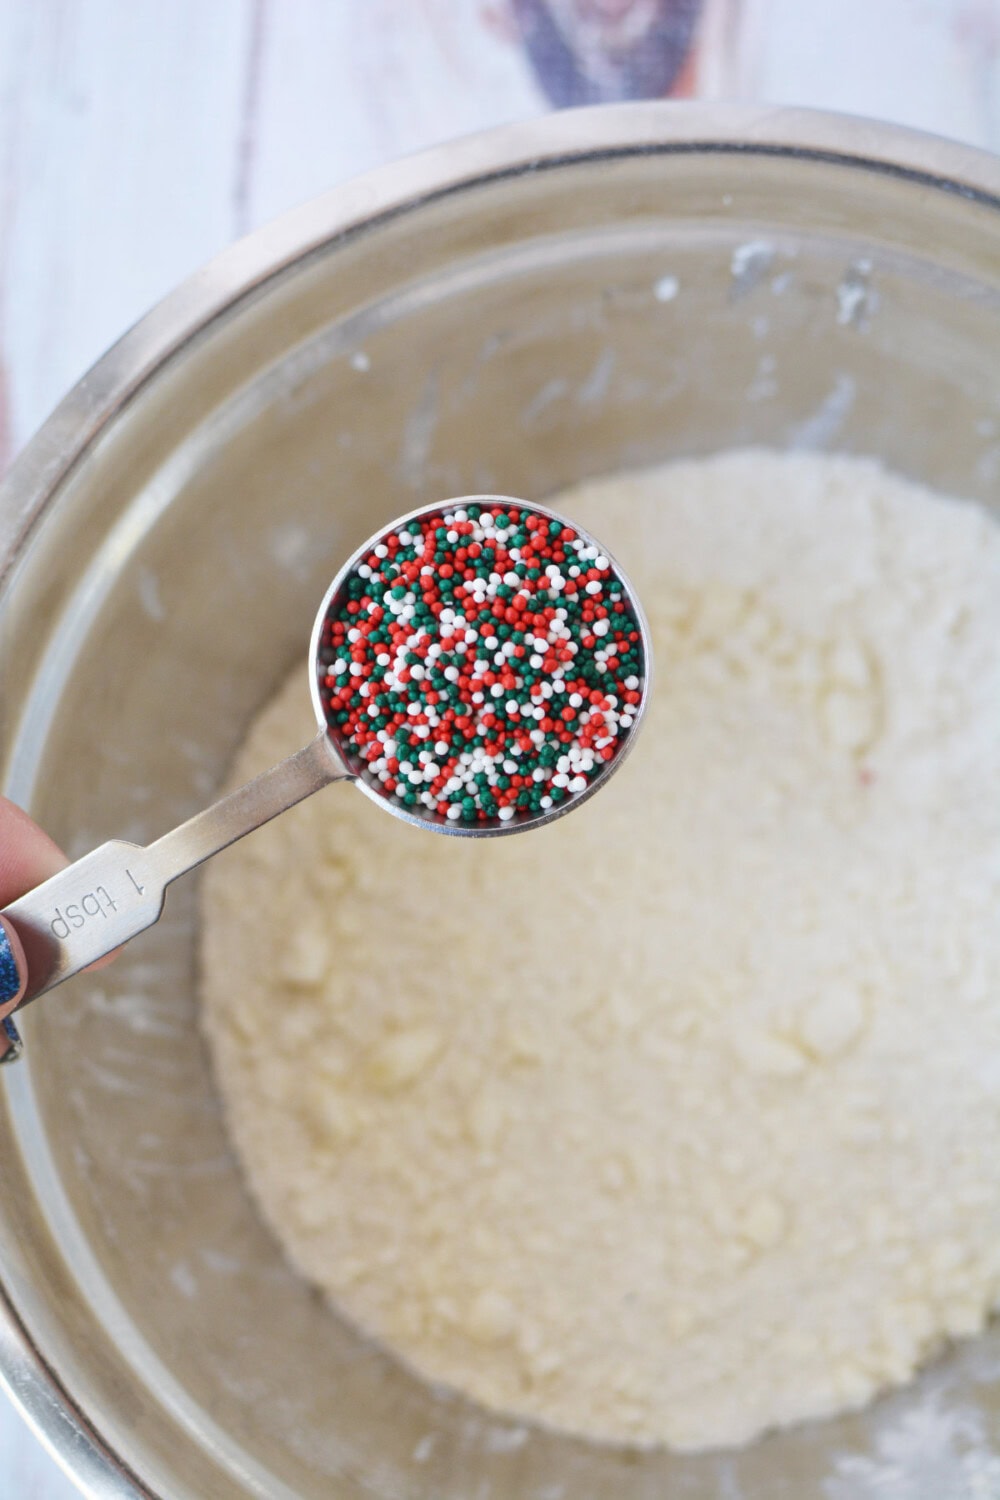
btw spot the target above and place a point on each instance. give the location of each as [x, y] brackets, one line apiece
[138, 137]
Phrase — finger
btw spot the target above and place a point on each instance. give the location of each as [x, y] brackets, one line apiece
[27, 855]
[13, 977]
[11, 1045]
[13, 968]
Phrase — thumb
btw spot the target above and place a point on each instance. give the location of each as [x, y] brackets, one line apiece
[27, 857]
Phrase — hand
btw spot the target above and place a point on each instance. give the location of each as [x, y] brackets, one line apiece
[27, 857]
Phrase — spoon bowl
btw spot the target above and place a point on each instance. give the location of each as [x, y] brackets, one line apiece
[336, 599]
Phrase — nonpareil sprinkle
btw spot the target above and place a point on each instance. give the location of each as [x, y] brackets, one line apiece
[482, 663]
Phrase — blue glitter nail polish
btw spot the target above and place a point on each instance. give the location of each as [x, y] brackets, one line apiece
[10, 979]
[14, 1037]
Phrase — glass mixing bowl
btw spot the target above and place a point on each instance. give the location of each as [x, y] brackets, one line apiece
[511, 313]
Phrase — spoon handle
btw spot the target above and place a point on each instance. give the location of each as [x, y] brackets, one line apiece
[117, 890]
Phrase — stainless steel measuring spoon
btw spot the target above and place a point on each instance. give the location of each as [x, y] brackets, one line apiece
[116, 891]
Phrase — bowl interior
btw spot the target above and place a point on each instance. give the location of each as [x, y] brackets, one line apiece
[538, 327]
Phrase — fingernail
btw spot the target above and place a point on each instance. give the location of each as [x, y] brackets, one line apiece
[15, 1045]
[10, 978]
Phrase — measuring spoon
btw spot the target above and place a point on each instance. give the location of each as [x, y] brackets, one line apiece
[116, 891]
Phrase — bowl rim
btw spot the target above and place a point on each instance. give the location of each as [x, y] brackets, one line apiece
[57, 1417]
[611, 131]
